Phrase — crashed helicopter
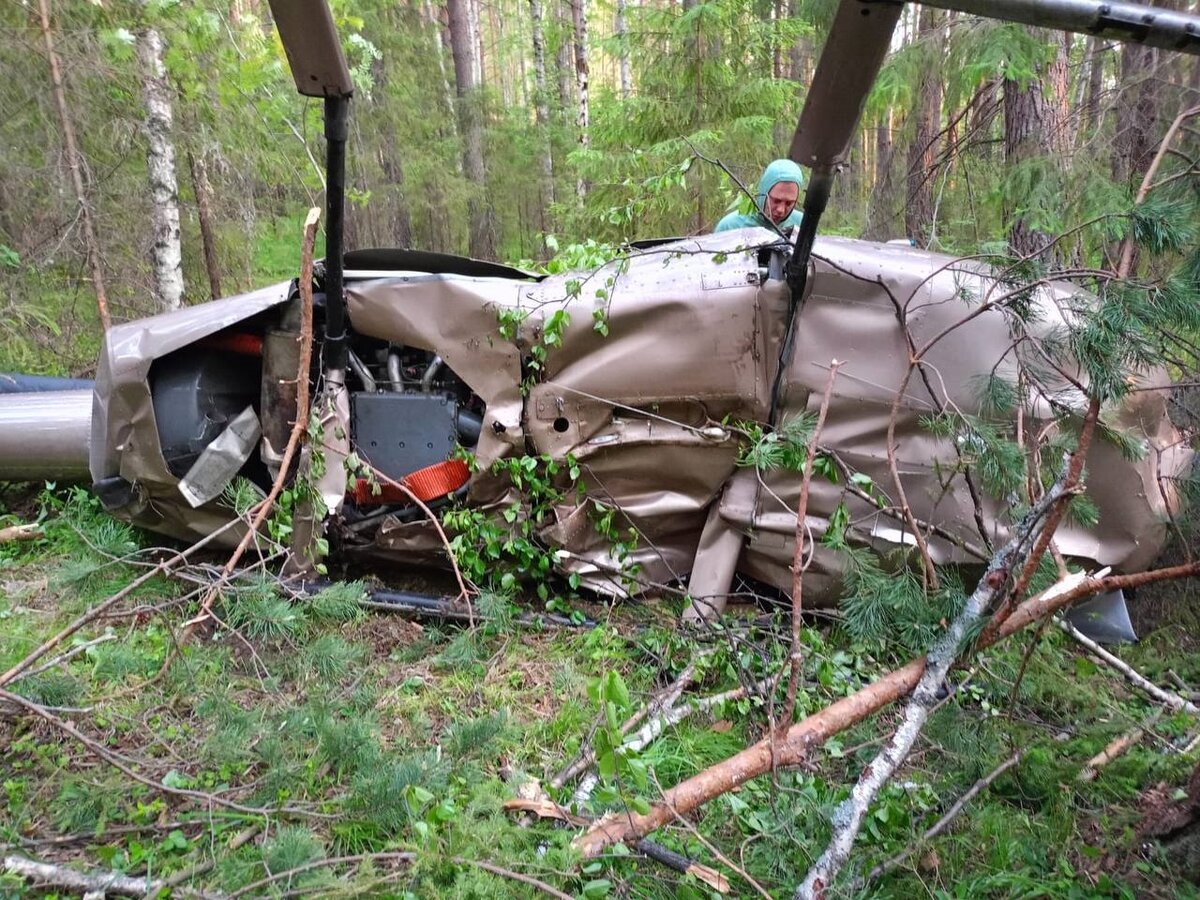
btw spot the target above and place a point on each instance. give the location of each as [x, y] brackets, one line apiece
[427, 362]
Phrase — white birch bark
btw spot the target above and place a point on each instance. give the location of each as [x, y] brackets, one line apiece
[166, 252]
[541, 107]
[579, 14]
[621, 26]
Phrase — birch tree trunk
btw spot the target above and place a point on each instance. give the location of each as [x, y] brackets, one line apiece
[622, 32]
[542, 112]
[75, 166]
[208, 237]
[436, 27]
[579, 14]
[481, 227]
[166, 252]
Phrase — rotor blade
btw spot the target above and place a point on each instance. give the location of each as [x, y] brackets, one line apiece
[1135, 22]
[857, 44]
[312, 46]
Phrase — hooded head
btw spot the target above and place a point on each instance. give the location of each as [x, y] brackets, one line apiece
[779, 190]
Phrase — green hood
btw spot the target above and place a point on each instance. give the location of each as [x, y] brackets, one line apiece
[777, 171]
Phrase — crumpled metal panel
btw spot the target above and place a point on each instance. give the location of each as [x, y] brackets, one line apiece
[694, 329]
[124, 438]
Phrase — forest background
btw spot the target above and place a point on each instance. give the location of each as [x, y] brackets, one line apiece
[510, 129]
[547, 132]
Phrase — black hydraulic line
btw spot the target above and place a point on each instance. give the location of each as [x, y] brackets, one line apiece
[442, 608]
[337, 115]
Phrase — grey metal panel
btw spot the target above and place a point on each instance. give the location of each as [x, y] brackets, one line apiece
[312, 46]
[45, 435]
[857, 44]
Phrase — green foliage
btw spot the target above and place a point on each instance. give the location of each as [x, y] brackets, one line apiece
[888, 602]
[504, 552]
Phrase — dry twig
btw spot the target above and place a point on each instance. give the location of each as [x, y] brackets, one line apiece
[796, 657]
[1168, 699]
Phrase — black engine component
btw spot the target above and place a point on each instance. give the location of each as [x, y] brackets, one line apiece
[401, 433]
[196, 393]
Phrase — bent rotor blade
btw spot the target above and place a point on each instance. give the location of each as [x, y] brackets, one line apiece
[312, 46]
[1153, 26]
[850, 61]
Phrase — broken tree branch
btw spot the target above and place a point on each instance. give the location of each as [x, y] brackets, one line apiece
[941, 824]
[1172, 701]
[70, 654]
[1117, 748]
[97, 883]
[793, 747]
[19, 533]
[664, 701]
[848, 818]
[103, 753]
[95, 612]
[796, 656]
[298, 427]
[670, 717]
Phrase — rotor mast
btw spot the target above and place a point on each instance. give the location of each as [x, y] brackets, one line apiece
[319, 69]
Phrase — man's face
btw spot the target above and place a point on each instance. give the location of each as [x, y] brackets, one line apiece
[781, 200]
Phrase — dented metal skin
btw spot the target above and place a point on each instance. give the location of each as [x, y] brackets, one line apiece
[649, 410]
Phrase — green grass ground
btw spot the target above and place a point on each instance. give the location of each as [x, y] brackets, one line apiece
[320, 731]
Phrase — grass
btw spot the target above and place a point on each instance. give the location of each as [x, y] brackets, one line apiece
[352, 733]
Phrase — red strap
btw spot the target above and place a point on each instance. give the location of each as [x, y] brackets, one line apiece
[427, 484]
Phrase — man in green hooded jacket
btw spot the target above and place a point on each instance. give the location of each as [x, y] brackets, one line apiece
[778, 192]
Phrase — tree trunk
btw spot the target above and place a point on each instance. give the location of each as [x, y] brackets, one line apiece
[166, 253]
[74, 166]
[1031, 129]
[1136, 113]
[881, 205]
[562, 61]
[1095, 84]
[579, 14]
[622, 32]
[208, 237]
[481, 227]
[542, 113]
[447, 94]
[919, 210]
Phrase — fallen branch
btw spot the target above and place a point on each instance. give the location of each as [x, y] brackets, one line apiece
[792, 748]
[256, 886]
[669, 718]
[20, 533]
[545, 808]
[1173, 702]
[96, 883]
[64, 657]
[298, 427]
[95, 612]
[848, 818]
[951, 814]
[666, 700]
[109, 757]
[796, 656]
[1116, 749]
[516, 876]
